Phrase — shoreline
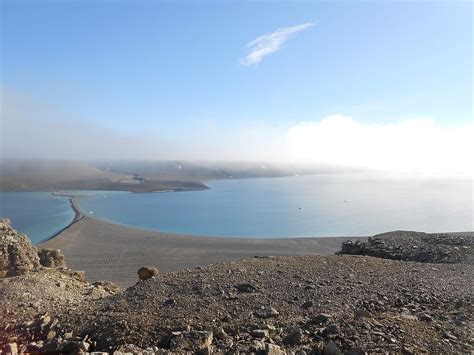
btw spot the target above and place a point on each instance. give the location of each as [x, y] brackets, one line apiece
[78, 215]
[113, 252]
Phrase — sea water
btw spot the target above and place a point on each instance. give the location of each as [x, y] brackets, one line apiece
[37, 214]
[300, 206]
[40, 215]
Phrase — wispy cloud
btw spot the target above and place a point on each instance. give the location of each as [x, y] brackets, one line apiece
[271, 42]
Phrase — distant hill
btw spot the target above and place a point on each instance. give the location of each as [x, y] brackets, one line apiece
[204, 171]
[51, 175]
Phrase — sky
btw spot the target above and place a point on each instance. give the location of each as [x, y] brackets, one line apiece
[384, 84]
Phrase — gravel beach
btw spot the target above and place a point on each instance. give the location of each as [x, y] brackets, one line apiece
[112, 252]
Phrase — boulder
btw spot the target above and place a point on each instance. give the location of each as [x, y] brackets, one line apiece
[51, 258]
[17, 255]
[147, 272]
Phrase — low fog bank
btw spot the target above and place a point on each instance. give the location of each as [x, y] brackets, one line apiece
[155, 175]
[136, 175]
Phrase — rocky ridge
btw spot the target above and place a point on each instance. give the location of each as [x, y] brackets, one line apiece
[415, 246]
[35, 287]
[340, 304]
[17, 254]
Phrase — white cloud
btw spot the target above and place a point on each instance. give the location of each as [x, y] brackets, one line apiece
[270, 43]
[418, 145]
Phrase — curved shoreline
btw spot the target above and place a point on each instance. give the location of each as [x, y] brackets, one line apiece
[114, 252]
[79, 215]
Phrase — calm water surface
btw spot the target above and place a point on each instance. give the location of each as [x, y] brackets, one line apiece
[37, 214]
[279, 207]
[297, 207]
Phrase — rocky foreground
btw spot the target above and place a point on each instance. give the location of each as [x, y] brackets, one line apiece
[341, 304]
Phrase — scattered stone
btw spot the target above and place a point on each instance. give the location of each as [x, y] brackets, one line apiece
[449, 335]
[170, 302]
[273, 349]
[107, 286]
[266, 312]
[69, 347]
[398, 307]
[51, 335]
[321, 318]
[295, 337]
[220, 334]
[330, 330]
[362, 313]
[10, 349]
[54, 346]
[191, 341]
[260, 333]
[257, 346]
[355, 350]
[128, 349]
[331, 349]
[45, 319]
[409, 317]
[425, 317]
[246, 288]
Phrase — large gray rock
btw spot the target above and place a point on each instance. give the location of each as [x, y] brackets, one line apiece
[17, 254]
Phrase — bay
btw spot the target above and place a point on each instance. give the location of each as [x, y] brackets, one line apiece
[299, 206]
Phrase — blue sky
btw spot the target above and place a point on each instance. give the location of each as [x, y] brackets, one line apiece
[169, 67]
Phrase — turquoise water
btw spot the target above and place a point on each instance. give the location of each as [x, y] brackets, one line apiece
[297, 207]
[278, 207]
[37, 214]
